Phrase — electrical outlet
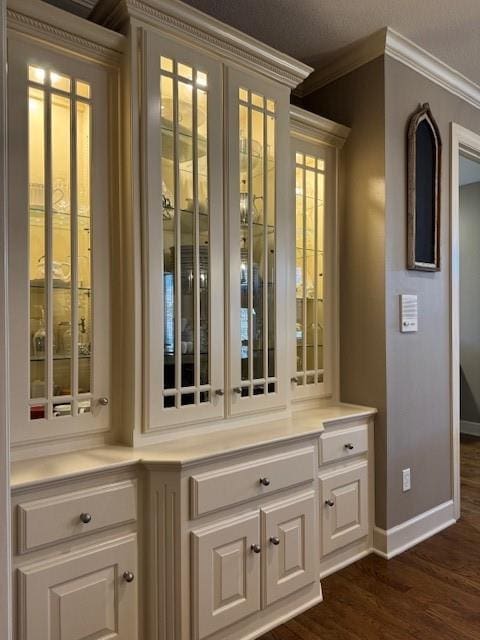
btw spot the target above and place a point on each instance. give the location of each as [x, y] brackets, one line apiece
[407, 484]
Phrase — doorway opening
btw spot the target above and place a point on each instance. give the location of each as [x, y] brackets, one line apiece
[465, 320]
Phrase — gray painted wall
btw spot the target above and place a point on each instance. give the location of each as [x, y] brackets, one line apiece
[407, 376]
[469, 206]
[357, 100]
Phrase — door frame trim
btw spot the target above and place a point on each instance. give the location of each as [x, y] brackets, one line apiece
[461, 139]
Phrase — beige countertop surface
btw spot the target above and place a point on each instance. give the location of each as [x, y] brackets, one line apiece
[182, 451]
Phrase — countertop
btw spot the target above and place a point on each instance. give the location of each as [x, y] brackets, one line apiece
[182, 451]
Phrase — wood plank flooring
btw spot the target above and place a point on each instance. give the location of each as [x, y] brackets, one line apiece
[431, 592]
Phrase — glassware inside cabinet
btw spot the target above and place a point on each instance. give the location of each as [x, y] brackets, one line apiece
[257, 243]
[186, 234]
[59, 244]
[310, 202]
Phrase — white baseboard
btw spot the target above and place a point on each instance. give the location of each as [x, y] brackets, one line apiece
[470, 428]
[396, 540]
[345, 563]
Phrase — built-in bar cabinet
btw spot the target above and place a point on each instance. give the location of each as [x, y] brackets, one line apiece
[183, 469]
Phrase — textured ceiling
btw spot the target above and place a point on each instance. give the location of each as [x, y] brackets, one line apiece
[315, 31]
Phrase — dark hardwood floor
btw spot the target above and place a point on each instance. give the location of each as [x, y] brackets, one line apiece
[431, 592]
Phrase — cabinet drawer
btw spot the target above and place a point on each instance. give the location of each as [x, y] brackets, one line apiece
[228, 486]
[57, 518]
[345, 443]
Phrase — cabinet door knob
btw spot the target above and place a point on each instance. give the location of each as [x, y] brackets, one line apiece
[330, 503]
[219, 392]
[237, 390]
[103, 401]
[128, 576]
[275, 541]
[349, 446]
[85, 518]
[256, 548]
[294, 380]
[265, 482]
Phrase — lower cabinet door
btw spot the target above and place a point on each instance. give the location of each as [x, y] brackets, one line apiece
[226, 573]
[82, 595]
[290, 546]
[344, 507]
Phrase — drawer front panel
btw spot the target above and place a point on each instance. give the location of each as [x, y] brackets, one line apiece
[50, 520]
[344, 507]
[219, 489]
[339, 445]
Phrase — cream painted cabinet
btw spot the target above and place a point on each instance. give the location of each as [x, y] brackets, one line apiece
[248, 563]
[212, 111]
[59, 259]
[314, 155]
[185, 148]
[86, 594]
[226, 573]
[290, 546]
[344, 504]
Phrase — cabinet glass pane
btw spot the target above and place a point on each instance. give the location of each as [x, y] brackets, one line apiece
[186, 234]
[309, 216]
[257, 244]
[59, 246]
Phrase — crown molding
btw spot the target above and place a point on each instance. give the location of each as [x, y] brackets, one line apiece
[354, 57]
[388, 42]
[310, 126]
[189, 24]
[58, 28]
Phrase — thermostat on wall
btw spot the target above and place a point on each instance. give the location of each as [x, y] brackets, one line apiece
[408, 313]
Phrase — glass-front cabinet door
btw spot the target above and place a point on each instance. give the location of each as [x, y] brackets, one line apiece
[183, 234]
[258, 146]
[59, 249]
[313, 167]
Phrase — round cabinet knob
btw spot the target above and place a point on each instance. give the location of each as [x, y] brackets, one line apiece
[330, 503]
[294, 380]
[85, 518]
[219, 392]
[103, 402]
[265, 482]
[275, 541]
[128, 576]
[237, 390]
[349, 446]
[256, 548]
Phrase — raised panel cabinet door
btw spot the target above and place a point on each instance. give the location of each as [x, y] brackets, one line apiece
[226, 574]
[344, 507]
[290, 545]
[83, 595]
[258, 152]
[59, 249]
[182, 190]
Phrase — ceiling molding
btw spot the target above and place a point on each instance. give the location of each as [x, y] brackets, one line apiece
[310, 126]
[62, 29]
[391, 43]
[197, 27]
[356, 56]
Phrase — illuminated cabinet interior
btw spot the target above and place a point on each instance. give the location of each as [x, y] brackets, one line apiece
[60, 311]
[314, 165]
[59, 244]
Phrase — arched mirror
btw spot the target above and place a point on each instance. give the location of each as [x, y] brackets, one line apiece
[424, 155]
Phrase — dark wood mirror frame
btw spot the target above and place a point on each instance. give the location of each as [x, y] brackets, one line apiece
[423, 166]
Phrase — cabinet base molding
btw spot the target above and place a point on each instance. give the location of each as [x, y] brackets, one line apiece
[390, 543]
[344, 558]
